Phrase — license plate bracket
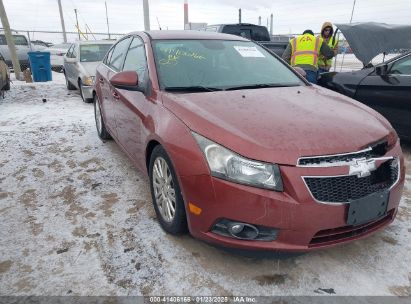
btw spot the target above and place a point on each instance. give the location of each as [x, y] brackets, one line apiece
[368, 208]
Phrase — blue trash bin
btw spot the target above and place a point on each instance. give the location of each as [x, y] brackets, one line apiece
[40, 66]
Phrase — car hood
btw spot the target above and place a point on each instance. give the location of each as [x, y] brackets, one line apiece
[89, 67]
[280, 124]
[368, 39]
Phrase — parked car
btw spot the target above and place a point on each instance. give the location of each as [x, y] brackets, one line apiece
[253, 32]
[4, 76]
[80, 64]
[241, 149]
[57, 53]
[385, 87]
[22, 48]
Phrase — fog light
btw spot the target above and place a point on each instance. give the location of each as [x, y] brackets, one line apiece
[244, 231]
[236, 228]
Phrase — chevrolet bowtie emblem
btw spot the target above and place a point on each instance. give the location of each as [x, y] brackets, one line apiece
[362, 167]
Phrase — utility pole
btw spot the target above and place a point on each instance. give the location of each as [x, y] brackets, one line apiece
[78, 28]
[271, 25]
[146, 10]
[108, 26]
[342, 61]
[185, 14]
[63, 27]
[239, 16]
[10, 40]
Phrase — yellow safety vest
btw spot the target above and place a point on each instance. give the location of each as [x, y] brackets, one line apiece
[322, 63]
[305, 50]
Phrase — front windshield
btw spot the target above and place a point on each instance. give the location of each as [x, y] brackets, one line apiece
[219, 64]
[93, 52]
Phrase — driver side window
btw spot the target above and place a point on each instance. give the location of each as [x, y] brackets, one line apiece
[402, 66]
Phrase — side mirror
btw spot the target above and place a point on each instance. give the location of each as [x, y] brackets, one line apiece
[300, 71]
[381, 70]
[70, 60]
[126, 80]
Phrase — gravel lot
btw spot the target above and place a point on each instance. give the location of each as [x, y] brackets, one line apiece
[77, 219]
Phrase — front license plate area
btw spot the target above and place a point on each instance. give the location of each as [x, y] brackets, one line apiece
[368, 208]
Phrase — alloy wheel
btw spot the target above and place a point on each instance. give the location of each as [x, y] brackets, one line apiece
[164, 192]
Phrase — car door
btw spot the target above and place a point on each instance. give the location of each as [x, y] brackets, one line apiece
[70, 67]
[67, 55]
[113, 66]
[390, 94]
[132, 107]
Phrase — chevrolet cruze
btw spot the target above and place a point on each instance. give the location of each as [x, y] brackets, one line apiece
[240, 149]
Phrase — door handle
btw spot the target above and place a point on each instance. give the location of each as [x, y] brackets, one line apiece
[115, 95]
[101, 80]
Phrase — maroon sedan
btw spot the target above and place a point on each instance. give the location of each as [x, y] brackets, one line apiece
[240, 149]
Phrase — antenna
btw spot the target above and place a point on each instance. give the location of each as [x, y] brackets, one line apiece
[159, 26]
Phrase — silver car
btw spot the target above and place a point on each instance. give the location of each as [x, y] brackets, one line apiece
[22, 48]
[80, 64]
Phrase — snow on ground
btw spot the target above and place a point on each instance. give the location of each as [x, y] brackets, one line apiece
[77, 219]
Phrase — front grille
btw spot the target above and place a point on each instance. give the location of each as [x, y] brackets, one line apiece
[330, 236]
[376, 150]
[342, 189]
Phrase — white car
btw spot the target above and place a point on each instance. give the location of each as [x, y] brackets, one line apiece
[57, 53]
[80, 63]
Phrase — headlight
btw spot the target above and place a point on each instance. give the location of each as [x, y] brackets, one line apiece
[88, 80]
[230, 166]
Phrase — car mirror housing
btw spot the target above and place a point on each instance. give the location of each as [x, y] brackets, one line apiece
[381, 70]
[126, 80]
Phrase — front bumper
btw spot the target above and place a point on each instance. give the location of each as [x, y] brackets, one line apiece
[303, 223]
[87, 92]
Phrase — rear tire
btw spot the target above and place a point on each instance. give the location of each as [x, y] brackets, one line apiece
[100, 126]
[166, 194]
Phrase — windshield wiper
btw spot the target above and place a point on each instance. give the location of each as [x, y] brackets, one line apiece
[262, 85]
[192, 89]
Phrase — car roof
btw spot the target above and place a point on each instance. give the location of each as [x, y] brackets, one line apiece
[189, 34]
[84, 42]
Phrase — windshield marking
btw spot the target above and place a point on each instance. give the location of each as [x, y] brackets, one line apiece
[174, 55]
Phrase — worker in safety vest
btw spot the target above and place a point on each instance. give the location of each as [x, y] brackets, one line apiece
[327, 32]
[303, 51]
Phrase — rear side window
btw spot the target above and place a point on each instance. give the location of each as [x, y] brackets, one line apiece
[118, 54]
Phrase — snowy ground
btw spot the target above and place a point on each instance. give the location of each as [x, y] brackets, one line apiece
[77, 219]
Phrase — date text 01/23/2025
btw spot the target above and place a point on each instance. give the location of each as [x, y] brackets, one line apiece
[199, 299]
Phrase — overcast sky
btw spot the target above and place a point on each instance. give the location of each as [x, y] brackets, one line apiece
[290, 16]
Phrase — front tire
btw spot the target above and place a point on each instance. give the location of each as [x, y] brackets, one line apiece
[100, 126]
[68, 83]
[166, 194]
